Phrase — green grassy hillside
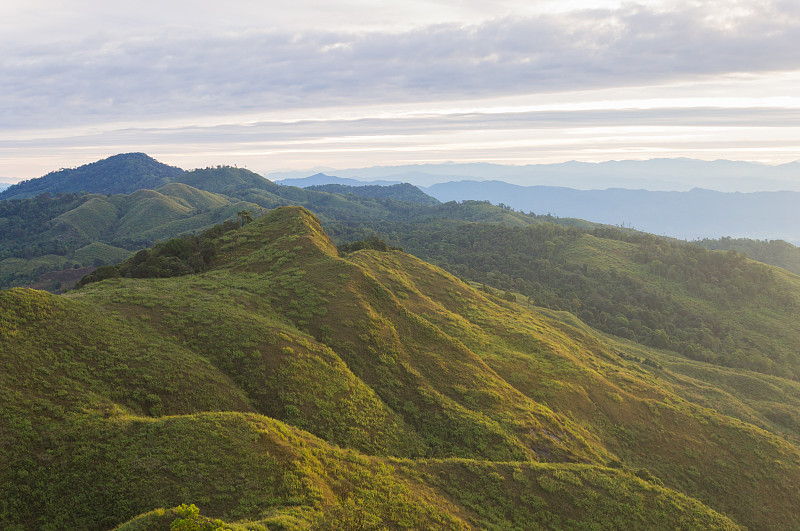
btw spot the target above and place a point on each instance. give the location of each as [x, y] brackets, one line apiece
[54, 233]
[291, 387]
[707, 305]
[34, 230]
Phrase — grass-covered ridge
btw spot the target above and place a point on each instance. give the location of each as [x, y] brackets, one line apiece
[290, 387]
[707, 305]
[75, 230]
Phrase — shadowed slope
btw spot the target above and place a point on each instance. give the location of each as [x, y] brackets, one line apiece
[120, 174]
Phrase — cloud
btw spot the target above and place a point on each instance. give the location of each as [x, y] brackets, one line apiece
[294, 135]
[180, 73]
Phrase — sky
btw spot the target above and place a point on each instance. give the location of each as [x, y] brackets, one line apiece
[275, 86]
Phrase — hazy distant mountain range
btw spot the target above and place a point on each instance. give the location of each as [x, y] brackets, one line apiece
[656, 174]
[689, 215]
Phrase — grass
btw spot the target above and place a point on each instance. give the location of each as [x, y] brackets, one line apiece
[289, 387]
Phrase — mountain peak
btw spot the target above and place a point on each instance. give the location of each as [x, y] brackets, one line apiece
[223, 179]
[119, 174]
[282, 231]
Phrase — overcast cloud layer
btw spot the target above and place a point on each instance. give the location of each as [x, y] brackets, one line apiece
[660, 77]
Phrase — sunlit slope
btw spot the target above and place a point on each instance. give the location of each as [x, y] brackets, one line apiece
[470, 375]
[724, 308]
[102, 419]
[145, 213]
[605, 386]
[133, 394]
[280, 277]
[712, 306]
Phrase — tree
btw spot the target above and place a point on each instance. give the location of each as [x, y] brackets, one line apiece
[245, 217]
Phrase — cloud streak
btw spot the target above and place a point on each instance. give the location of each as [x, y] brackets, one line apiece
[174, 74]
[198, 84]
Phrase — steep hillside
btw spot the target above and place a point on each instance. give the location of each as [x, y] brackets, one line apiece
[289, 385]
[120, 174]
[708, 305]
[41, 234]
[48, 234]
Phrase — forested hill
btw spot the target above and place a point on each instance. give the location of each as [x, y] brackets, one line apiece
[775, 252]
[119, 174]
[400, 192]
[69, 231]
[289, 385]
[51, 233]
[712, 306]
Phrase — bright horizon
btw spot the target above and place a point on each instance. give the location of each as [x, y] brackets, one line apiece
[360, 84]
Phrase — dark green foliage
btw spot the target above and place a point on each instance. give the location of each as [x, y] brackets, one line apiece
[76, 235]
[656, 292]
[101, 273]
[373, 242]
[223, 180]
[245, 217]
[23, 224]
[398, 192]
[175, 257]
[120, 174]
[774, 252]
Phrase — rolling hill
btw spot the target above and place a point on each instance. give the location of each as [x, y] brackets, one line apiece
[55, 233]
[119, 174]
[714, 307]
[69, 231]
[773, 252]
[291, 386]
[680, 174]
